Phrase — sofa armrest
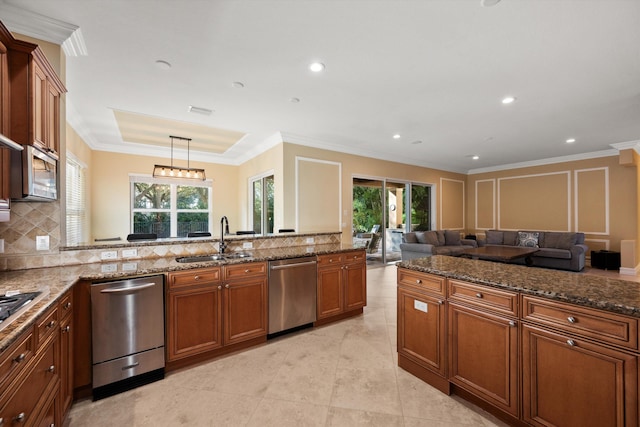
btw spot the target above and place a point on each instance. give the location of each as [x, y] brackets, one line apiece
[577, 250]
[469, 242]
[425, 248]
[481, 242]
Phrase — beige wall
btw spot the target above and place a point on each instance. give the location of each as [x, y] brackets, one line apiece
[111, 194]
[595, 196]
[77, 146]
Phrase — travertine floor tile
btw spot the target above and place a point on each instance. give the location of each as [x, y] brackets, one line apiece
[340, 417]
[367, 389]
[280, 413]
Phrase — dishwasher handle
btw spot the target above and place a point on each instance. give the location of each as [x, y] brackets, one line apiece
[295, 265]
[128, 289]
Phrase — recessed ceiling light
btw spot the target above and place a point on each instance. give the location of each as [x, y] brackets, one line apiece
[417, 142]
[396, 136]
[316, 67]
[162, 64]
[199, 110]
[475, 157]
[294, 100]
[570, 140]
[237, 85]
[489, 3]
[508, 99]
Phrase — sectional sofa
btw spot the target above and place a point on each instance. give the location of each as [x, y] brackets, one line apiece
[419, 244]
[561, 250]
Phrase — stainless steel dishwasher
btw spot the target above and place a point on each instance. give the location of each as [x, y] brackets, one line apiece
[292, 294]
[127, 324]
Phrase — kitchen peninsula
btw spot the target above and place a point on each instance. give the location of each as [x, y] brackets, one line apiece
[56, 330]
[534, 346]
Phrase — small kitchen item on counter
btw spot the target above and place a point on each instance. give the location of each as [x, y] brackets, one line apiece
[12, 304]
[127, 334]
[292, 294]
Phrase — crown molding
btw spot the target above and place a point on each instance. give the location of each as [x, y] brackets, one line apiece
[45, 28]
[635, 145]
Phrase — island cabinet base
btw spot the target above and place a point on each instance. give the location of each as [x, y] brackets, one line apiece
[337, 317]
[204, 357]
[431, 378]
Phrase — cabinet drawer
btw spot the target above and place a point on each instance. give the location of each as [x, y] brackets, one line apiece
[354, 257]
[422, 281]
[39, 381]
[250, 269]
[66, 305]
[16, 358]
[329, 260]
[497, 300]
[46, 326]
[599, 325]
[194, 277]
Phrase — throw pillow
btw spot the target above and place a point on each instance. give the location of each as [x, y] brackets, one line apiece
[420, 237]
[441, 239]
[432, 238]
[528, 239]
[510, 238]
[559, 240]
[494, 237]
[410, 238]
[452, 238]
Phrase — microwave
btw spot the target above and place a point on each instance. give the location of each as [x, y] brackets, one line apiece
[34, 175]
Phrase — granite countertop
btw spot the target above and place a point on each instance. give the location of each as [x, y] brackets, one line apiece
[614, 295]
[55, 281]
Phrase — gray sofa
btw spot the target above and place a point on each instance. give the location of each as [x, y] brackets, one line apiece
[420, 244]
[561, 250]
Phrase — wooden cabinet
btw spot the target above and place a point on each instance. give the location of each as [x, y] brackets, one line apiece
[5, 155]
[35, 97]
[65, 399]
[214, 307]
[194, 307]
[577, 369]
[342, 283]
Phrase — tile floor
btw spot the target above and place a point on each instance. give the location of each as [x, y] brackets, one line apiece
[344, 374]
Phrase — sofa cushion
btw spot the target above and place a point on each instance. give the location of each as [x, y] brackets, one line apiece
[416, 247]
[441, 238]
[553, 253]
[510, 238]
[494, 237]
[559, 240]
[528, 239]
[431, 238]
[410, 237]
[452, 238]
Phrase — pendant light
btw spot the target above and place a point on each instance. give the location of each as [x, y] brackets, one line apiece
[163, 171]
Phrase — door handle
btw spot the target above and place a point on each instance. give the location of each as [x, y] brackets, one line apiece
[128, 289]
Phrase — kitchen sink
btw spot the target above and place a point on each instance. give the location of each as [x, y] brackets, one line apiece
[238, 255]
[201, 258]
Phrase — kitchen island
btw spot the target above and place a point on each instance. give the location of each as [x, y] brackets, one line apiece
[531, 345]
[48, 347]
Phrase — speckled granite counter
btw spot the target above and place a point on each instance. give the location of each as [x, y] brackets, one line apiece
[618, 296]
[60, 279]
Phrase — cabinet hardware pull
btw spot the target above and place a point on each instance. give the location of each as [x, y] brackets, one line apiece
[247, 270]
[479, 295]
[226, 286]
[196, 277]
[571, 319]
[51, 369]
[1, 422]
[219, 287]
[572, 343]
[440, 302]
[20, 358]
[67, 306]
[51, 324]
[418, 281]
[512, 323]
[330, 260]
[66, 329]
[20, 417]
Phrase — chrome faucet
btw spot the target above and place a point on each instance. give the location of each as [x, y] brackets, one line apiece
[224, 229]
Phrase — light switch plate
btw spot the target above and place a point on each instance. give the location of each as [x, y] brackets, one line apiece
[109, 255]
[129, 253]
[42, 243]
[109, 268]
[420, 306]
[129, 266]
[247, 245]
[310, 240]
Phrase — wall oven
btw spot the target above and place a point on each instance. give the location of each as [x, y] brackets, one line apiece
[34, 175]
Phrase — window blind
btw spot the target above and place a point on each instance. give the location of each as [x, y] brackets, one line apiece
[76, 202]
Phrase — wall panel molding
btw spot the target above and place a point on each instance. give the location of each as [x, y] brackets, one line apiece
[443, 209]
[605, 200]
[308, 195]
[493, 204]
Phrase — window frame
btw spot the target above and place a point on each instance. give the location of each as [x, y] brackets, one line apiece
[250, 203]
[73, 163]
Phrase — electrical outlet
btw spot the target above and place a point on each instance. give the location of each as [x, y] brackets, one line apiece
[247, 245]
[109, 268]
[310, 240]
[109, 255]
[129, 253]
[42, 243]
[129, 266]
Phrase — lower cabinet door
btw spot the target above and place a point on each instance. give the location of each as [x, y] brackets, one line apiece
[570, 382]
[483, 356]
[194, 321]
[330, 292]
[421, 329]
[355, 292]
[245, 310]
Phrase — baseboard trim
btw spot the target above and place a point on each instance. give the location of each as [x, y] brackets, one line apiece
[628, 271]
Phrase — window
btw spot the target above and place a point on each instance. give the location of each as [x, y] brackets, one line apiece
[262, 193]
[76, 201]
[169, 207]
